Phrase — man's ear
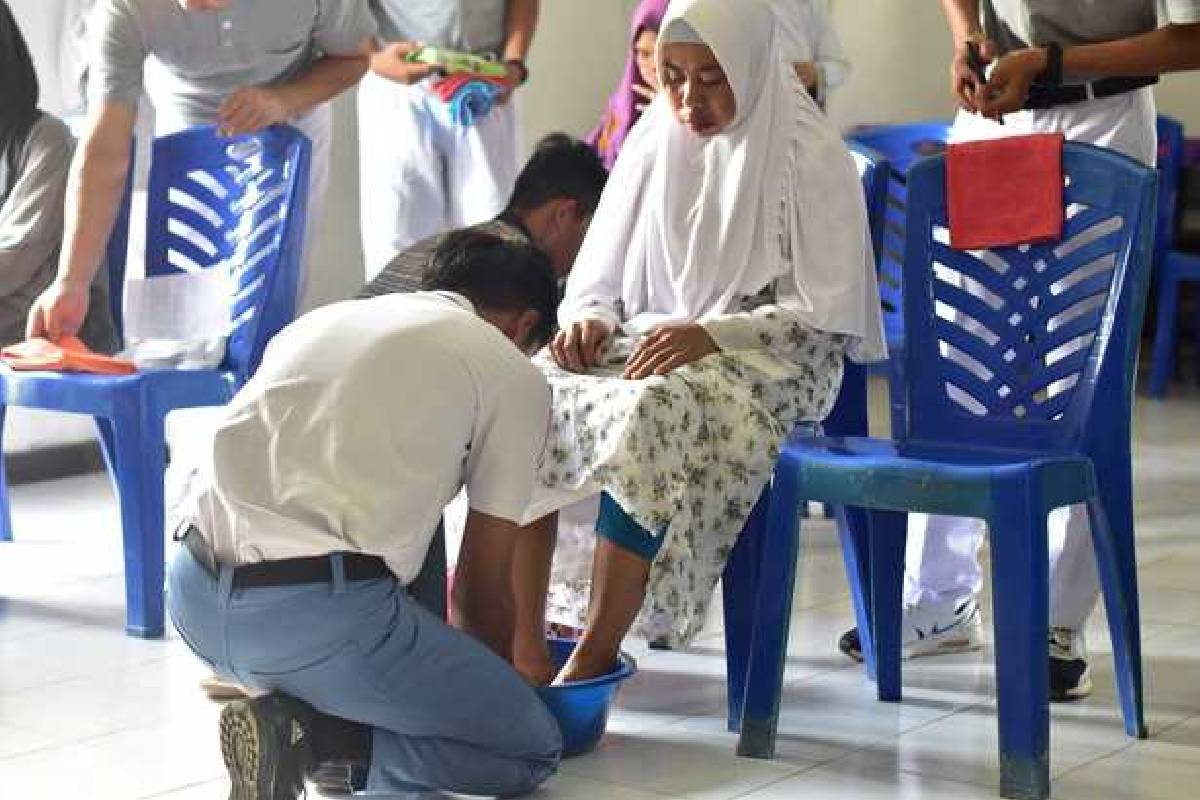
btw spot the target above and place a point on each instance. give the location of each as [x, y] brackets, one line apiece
[524, 325]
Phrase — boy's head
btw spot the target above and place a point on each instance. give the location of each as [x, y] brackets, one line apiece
[511, 285]
[556, 194]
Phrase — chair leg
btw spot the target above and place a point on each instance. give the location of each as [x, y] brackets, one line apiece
[6, 533]
[853, 527]
[1021, 610]
[1163, 354]
[889, 530]
[739, 589]
[773, 612]
[137, 446]
[1113, 536]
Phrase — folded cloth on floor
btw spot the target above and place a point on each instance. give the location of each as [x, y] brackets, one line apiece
[469, 98]
[1005, 192]
[68, 354]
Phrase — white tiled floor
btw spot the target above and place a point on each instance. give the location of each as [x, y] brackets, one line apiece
[86, 712]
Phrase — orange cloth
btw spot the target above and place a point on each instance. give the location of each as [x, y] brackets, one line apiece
[69, 354]
[1005, 192]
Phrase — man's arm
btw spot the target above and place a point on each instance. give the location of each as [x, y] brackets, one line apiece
[1172, 48]
[962, 17]
[97, 183]
[482, 603]
[520, 23]
[252, 108]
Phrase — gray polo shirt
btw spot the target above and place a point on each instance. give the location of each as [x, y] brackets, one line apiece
[476, 26]
[1016, 24]
[207, 55]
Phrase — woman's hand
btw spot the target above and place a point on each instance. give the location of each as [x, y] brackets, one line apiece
[806, 71]
[667, 349]
[578, 348]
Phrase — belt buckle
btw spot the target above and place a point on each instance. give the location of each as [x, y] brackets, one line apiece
[1089, 90]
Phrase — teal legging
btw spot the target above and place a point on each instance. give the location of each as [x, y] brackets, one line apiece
[620, 529]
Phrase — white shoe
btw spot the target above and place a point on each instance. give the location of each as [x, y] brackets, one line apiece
[931, 632]
[941, 631]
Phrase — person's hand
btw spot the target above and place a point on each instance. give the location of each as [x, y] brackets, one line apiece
[645, 96]
[251, 109]
[515, 76]
[391, 61]
[58, 312]
[1008, 86]
[965, 84]
[807, 72]
[578, 348]
[667, 349]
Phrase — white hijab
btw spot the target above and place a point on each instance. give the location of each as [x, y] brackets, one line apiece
[688, 226]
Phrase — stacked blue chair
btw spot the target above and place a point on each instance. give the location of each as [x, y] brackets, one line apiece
[848, 418]
[1171, 267]
[902, 145]
[1034, 414]
[236, 204]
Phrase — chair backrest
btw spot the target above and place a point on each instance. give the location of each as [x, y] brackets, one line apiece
[1030, 346]
[238, 204]
[1170, 165]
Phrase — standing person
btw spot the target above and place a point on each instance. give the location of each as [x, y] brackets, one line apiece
[239, 64]
[317, 498]
[813, 46]
[35, 150]
[639, 83]
[1084, 69]
[422, 173]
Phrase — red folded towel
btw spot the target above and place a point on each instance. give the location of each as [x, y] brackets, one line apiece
[1005, 192]
[68, 355]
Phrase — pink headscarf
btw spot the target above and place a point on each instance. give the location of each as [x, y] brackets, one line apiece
[622, 111]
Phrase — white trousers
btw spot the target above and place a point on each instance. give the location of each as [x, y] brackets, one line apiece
[942, 567]
[421, 174]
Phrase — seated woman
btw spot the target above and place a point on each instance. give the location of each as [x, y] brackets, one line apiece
[639, 83]
[35, 153]
[727, 273]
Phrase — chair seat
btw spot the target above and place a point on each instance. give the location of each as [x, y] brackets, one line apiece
[101, 395]
[929, 477]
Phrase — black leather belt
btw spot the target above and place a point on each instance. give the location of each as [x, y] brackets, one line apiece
[289, 571]
[1052, 96]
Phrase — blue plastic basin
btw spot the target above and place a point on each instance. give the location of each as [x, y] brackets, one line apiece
[581, 708]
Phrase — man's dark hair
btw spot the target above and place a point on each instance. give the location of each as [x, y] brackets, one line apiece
[561, 167]
[496, 275]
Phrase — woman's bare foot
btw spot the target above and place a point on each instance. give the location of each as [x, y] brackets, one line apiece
[584, 665]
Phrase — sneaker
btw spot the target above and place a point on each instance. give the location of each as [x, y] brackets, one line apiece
[267, 746]
[926, 634]
[219, 690]
[1070, 676]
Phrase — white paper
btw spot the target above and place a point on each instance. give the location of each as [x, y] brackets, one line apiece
[186, 307]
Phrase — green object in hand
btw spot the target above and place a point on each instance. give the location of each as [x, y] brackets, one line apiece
[453, 61]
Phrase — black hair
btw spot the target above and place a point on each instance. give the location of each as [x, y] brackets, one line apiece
[18, 87]
[561, 167]
[496, 274]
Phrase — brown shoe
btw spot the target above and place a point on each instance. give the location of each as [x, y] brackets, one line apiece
[221, 691]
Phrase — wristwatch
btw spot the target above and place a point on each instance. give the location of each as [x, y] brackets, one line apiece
[521, 68]
[1052, 75]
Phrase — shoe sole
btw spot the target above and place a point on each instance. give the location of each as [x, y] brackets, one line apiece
[1080, 690]
[942, 647]
[242, 752]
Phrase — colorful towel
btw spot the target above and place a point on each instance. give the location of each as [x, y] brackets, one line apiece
[469, 98]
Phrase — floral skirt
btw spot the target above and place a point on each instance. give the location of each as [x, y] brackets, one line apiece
[686, 455]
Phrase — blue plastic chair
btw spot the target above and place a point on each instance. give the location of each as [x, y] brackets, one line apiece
[987, 436]
[237, 203]
[848, 418]
[902, 145]
[1171, 267]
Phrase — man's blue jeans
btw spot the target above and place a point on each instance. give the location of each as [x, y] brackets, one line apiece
[446, 713]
